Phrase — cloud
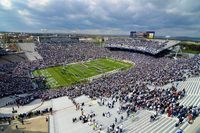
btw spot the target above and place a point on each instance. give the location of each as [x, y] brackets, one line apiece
[6, 4]
[38, 4]
[23, 12]
[97, 16]
[27, 18]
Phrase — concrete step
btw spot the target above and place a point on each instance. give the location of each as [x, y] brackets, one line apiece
[175, 129]
[154, 125]
[132, 125]
[164, 126]
[129, 122]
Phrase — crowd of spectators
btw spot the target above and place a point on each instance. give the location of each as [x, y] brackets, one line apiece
[143, 45]
[58, 40]
[160, 100]
[16, 78]
[21, 117]
[10, 85]
[3, 51]
[35, 113]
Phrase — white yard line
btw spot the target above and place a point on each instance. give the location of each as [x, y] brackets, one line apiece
[53, 83]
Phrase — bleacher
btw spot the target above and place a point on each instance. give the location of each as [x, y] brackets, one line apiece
[140, 123]
[58, 40]
[166, 124]
[148, 46]
[29, 51]
[192, 87]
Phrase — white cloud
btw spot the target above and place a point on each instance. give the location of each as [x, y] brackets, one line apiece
[108, 31]
[38, 4]
[178, 11]
[27, 18]
[31, 21]
[6, 4]
[24, 12]
[87, 22]
[104, 15]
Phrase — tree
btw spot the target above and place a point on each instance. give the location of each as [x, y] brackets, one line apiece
[5, 38]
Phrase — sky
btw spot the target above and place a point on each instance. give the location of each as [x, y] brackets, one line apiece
[166, 17]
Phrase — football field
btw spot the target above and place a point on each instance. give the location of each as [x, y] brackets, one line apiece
[79, 72]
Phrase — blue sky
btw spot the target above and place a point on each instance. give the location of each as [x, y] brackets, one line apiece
[166, 17]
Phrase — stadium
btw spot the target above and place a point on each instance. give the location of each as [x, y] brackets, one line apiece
[124, 85]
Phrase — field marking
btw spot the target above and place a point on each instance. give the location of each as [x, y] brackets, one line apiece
[50, 79]
[81, 71]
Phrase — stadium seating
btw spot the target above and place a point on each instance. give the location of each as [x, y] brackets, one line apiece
[58, 40]
[192, 87]
[166, 124]
[143, 124]
[3, 52]
[148, 46]
[15, 78]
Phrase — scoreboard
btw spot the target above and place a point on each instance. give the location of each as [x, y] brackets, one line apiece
[147, 34]
[150, 34]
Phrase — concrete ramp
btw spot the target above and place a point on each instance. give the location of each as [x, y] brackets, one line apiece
[29, 49]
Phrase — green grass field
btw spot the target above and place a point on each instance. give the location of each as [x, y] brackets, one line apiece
[75, 73]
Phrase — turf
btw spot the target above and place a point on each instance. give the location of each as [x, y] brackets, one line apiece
[190, 51]
[79, 72]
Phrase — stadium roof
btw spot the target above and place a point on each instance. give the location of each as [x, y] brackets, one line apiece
[143, 48]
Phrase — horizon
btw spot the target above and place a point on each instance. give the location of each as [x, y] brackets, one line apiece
[157, 36]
